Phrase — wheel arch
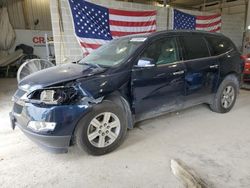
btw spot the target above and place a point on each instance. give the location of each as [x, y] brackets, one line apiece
[230, 78]
[122, 101]
[118, 99]
[231, 73]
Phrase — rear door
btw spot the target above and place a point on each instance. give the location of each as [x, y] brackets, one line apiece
[202, 74]
[158, 89]
[227, 54]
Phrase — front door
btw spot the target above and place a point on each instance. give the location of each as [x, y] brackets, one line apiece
[159, 88]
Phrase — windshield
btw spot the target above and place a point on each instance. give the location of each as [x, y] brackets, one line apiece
[113, 52]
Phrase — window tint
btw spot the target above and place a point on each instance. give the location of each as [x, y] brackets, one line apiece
[194, 47]
[219, 45]
[162, 51]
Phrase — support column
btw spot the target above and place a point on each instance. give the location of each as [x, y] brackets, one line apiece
[246, 42]
[247, 15]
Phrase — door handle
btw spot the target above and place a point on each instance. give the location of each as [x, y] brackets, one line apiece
[213, 66]
[161, 75]
[172, 66]
[178, 72]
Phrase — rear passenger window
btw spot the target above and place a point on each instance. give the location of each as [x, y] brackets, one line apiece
[219, 45]
[194, 47]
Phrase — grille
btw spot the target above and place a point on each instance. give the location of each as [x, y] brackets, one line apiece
[17, 108]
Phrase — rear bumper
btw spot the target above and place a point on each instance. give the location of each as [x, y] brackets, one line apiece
[246, 77]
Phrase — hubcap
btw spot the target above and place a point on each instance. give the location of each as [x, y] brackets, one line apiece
[103, 129]
[227, 97]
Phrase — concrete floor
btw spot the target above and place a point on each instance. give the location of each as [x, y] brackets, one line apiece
[217, 146]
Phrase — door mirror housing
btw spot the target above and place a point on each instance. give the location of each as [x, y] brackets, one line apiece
[145, 62]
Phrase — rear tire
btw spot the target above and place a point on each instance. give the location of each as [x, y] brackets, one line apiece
[226, 95]
[102, 130]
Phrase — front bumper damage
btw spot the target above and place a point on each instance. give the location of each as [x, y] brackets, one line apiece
[65, 116]
[55, 144]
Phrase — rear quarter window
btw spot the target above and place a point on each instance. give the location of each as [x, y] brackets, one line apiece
[194, 47]
[219, 45]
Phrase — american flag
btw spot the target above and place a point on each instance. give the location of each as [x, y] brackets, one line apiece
[95, 25]
[182, 20]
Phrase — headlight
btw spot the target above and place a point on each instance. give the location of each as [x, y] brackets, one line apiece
[40, 126]
[48, 96]
[56, 95]
[52, 97]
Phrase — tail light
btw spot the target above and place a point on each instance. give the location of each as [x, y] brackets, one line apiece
[243, 57]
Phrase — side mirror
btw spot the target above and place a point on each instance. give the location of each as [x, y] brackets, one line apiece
[145, 62]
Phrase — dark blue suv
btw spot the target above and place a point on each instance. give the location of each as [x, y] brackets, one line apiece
[94, 101]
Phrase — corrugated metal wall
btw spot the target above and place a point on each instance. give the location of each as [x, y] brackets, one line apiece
[24, 14]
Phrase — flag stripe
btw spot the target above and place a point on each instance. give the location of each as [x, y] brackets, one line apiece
[208, 17]
[216, 30]
[208, 21]
[89, 45]
[208, 24]
[212, 29]
[95, 41]
[87, 50]
[132, 13]
[209, 28]
[132, 24]
[121, 33]
[114, 28]
[131, 18]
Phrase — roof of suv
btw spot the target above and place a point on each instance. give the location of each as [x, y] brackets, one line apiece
[186, 32]
[175, 32]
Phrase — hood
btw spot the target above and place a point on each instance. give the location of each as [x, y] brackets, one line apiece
[58, 74]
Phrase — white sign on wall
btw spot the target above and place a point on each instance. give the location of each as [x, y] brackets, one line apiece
[35, 39]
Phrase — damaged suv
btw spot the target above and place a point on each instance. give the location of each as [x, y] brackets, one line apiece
[94, 101]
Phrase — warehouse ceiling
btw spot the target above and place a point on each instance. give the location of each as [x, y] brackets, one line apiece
[190, 3]
[195, 3]
[181, 3]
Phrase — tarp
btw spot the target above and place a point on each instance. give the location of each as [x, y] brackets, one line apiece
[7, 59]
[7, 33]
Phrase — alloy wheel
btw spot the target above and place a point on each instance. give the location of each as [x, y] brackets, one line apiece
[103, 129]
[228, 96]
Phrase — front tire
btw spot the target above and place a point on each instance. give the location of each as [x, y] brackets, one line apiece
[226, 95]
[102, 130]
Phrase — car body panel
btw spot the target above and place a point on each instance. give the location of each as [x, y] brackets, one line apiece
[246, 72]
[202, 77]
[228, 64]
[58, 74]
[104, 84]
[156, 87]
[66, 116]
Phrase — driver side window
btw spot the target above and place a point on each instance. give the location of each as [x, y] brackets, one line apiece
[162, 51]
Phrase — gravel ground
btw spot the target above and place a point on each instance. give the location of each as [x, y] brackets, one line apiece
[217, 146]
